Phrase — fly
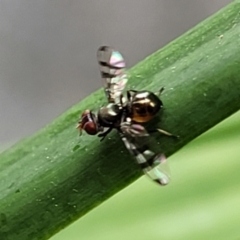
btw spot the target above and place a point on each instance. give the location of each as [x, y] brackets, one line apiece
[126, 114]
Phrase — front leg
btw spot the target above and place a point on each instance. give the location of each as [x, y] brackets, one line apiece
[104, 134]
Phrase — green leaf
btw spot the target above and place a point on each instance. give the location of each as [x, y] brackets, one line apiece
[54, 177]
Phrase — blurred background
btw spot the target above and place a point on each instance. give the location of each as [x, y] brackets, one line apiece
[48, 63]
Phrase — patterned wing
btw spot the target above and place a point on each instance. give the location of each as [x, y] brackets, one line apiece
[153, 165]
[112, 66]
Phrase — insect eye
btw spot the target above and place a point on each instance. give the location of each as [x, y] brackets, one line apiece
[90, 127]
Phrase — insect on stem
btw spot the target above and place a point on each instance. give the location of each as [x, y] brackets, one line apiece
[126, 115]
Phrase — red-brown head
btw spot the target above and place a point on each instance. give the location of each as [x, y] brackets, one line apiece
[88, 122]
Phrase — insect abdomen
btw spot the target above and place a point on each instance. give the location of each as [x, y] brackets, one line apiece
[144, 106]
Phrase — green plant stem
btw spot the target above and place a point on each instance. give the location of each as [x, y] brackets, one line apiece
[46, 183]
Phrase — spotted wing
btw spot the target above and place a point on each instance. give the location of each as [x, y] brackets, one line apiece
[153, 165]
[112, 67]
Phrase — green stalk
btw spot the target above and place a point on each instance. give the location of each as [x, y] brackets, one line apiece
[46, 182]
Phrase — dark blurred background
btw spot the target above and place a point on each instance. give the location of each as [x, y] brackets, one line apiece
[48, 50]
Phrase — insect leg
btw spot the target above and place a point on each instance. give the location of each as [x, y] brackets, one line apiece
[104, 134]
[159, 92]
[164, 132]
[130, 93]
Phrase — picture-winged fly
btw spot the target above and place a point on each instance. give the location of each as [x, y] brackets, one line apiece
[126, 115]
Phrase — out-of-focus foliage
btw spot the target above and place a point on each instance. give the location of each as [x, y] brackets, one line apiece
[202, 201]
